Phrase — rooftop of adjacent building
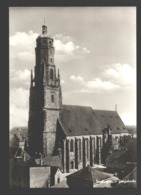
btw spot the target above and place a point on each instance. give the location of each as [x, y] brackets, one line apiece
[129, 180]
[90, 174]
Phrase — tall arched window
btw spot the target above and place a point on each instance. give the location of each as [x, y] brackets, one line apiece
[80, 149]
[51, 74]
[71, 145]
[87, 148]
[52, 98]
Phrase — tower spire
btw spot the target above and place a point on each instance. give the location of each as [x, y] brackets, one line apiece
[44, 21]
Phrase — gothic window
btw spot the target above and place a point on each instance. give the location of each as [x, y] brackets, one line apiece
[52, 98]
[51, 74]
[80, 149]
[50, 42]
[87, 148]
[71, 145]
[99, 142]
[94, 144]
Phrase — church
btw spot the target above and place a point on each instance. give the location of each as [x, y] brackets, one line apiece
[79, 135]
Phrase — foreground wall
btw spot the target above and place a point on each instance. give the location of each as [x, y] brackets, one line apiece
[39, 177]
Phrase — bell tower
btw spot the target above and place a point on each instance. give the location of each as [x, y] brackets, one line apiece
[45, 98]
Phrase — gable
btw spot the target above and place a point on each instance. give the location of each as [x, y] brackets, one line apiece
[111, 119]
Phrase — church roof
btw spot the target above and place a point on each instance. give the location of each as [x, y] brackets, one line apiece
[82, 120]
[79, 120]
[111, 119]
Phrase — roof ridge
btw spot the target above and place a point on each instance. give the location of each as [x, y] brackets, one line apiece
[77, 106]
[106, 110]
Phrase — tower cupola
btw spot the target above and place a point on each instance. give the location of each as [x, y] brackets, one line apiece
[44, 29]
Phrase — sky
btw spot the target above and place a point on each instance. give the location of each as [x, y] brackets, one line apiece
[95, 51]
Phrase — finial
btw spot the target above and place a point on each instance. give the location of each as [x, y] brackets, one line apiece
[44, 21]
[116, 107]
[31, 79]
[31, 74]
[58, 74]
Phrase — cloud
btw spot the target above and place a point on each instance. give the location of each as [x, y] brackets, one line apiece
[19, 99]
[18, 116]
[22, 48]
[23, 39]
[97, 83]
[122, 74]
[65, 46]
[76, 78]
[112, 78]
[20, 78]
[129, 118]
[62, 81]
[86, 50]
[94, 85]
[23, 75]
[63, 37]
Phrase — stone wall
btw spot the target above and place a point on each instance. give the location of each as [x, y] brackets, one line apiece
[39, 177]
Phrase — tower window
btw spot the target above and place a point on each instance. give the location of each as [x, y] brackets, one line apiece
[52, 98]
[50, 42]
[51, 74]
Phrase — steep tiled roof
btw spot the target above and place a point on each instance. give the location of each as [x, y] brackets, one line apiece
[99, 175]
[111, 119]
[130, 180]
[79, 120]
[90, 174]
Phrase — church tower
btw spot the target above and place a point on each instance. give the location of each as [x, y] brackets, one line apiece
[45, 98]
